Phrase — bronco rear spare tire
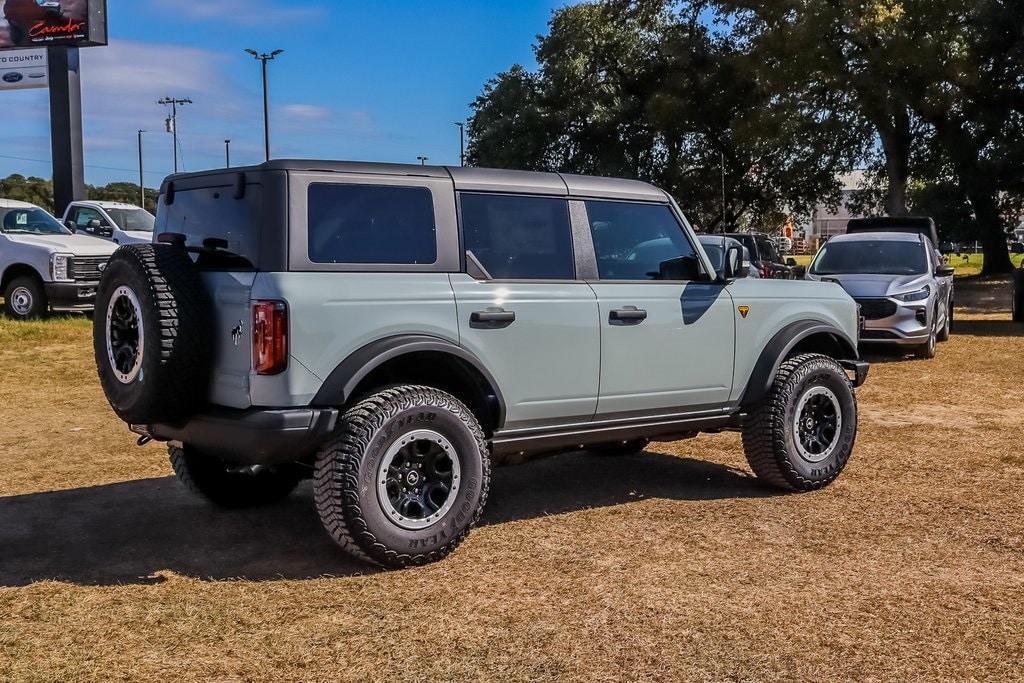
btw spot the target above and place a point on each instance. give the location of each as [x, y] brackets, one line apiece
[152, 333]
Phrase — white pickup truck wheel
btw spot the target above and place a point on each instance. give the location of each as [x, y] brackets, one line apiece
[801, 435]
[24, 298]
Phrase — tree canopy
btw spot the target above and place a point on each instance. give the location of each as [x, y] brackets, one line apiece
[782, 96]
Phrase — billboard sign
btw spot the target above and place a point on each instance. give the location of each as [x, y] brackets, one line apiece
[41, 23]
[21, 69]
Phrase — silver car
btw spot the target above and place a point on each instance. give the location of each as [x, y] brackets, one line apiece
[904, 288]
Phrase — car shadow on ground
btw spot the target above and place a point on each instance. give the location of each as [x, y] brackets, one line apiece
[988, 328]
[126, 533]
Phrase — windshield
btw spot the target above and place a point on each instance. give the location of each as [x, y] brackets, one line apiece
[132, 219]
[874, 257]
[32, 221]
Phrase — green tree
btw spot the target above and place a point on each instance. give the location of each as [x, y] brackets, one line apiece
[944, 74]
[649, 90]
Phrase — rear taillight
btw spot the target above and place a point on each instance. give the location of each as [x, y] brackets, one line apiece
[269, 337]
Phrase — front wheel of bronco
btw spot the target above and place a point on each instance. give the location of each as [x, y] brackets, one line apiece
[232, 486]
[405, 478]
[802, 433]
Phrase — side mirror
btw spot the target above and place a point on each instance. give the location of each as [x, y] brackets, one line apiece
[799, 272]
[733, 268]
[945, 271]
[70, 225]
[791, 262]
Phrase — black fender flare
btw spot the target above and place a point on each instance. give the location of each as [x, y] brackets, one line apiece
[339, 386]
[778, 349]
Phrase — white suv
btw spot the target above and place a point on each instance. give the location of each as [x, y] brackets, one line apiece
[43, 265]
[114, 221]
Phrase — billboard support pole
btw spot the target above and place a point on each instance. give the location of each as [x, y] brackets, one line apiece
[66, 127]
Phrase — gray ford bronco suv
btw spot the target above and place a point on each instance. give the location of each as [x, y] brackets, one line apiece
[391, 331]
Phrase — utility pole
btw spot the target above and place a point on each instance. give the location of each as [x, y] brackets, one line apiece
[227, 154]
[423, 160]
[172, 122]
[142, 177]
[462, 142]
[723, 192]
[264, 58]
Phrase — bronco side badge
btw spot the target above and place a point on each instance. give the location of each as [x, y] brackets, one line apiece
[744, 310]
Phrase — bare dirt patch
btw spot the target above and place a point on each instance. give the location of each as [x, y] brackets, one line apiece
[669, 565]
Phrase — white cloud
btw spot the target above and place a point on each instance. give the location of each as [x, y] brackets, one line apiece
[239, 12]
[305, 112]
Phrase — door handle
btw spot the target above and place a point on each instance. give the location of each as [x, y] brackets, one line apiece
[630, 315]
[492, 318]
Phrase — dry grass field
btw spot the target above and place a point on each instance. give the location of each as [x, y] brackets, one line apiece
[670, 565]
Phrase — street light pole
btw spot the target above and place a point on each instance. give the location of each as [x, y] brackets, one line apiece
[423, 160]
[172, 123]
[264, 58]
[462, 142]
[227, 154]
[142, 177]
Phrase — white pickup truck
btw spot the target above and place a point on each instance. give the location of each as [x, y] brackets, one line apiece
[115, 221]
[43, 265]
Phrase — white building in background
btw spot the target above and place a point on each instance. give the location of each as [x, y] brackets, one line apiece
[827, 222]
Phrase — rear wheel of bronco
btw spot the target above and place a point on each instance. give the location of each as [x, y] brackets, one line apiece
[801, 435]
[152, 332]
[25, 298]
[614, 448]
[405, 478]
[232, 486]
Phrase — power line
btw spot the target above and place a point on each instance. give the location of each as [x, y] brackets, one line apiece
[99, 168]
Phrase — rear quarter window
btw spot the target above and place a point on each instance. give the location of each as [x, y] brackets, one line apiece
[371, 224]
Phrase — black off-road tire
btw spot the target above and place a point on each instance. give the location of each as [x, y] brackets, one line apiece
[232, 486]
[617, 448]
[345, 479]
[177, 325]
[1017, 306]
[33, 287]
[769, 433]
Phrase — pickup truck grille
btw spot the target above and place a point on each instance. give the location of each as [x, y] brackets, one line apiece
[876, 309]
[87, 268]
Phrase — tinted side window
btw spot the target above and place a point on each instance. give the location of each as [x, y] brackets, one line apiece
[371, 224]
[640, 242]
[519, 237]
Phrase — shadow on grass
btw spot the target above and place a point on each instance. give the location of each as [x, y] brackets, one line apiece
[988, 328]
[124, 533]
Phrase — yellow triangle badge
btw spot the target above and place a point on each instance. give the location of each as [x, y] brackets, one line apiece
[744, 310]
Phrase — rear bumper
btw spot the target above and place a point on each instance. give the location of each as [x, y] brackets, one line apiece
[253, 436]
[858, 369]
[71, 295]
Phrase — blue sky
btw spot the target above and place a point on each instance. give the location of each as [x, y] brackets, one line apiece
[379, 81]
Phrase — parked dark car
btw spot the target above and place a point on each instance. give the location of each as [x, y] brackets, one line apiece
[764, 255]
[716, 246]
